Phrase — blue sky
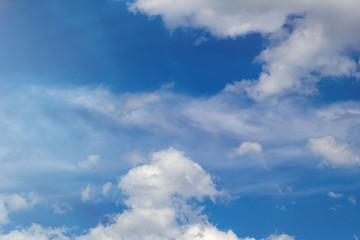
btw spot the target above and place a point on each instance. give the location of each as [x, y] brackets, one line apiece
[166, 119]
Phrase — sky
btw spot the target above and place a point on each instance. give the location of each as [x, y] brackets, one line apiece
[179, 119]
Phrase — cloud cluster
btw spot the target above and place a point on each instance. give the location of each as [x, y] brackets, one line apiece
[288, 124]
[282, 132]
[162, 199]
[315, 46]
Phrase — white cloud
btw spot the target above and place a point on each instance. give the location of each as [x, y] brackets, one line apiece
[223, 20]
[335, 195]
[187, 179]
[251, 148]
[85, 193]
[90, 162]
[355, 237]
[36, 232]
[157, 200]
[318, 46]
[352, 199]
[200, 232]
[161, 205]
[106, 188]
[125, 108]
[279, 237]
[300, 61]
[335, 152]
[14, 202]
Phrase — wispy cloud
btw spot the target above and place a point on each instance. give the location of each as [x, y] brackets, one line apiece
[106, 188]
[90, 162]
[352, 199]
[335, 195]
[85, 193]
[283, 129]
[250, 148]
[279, 237]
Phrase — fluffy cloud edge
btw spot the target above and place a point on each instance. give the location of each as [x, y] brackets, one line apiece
[162, 198]
[335, 152]
[297, 57]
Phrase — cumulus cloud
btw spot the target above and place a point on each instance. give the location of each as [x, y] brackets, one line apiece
[335, 195]
[158, 200]
[301, 60]
[169, 166]
[336, 152]
[315, 46]
[162, 201]
[223, 20]
[251, 148]
[90, 162]
[36, 232]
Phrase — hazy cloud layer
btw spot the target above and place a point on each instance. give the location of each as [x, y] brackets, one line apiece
[290, 131]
